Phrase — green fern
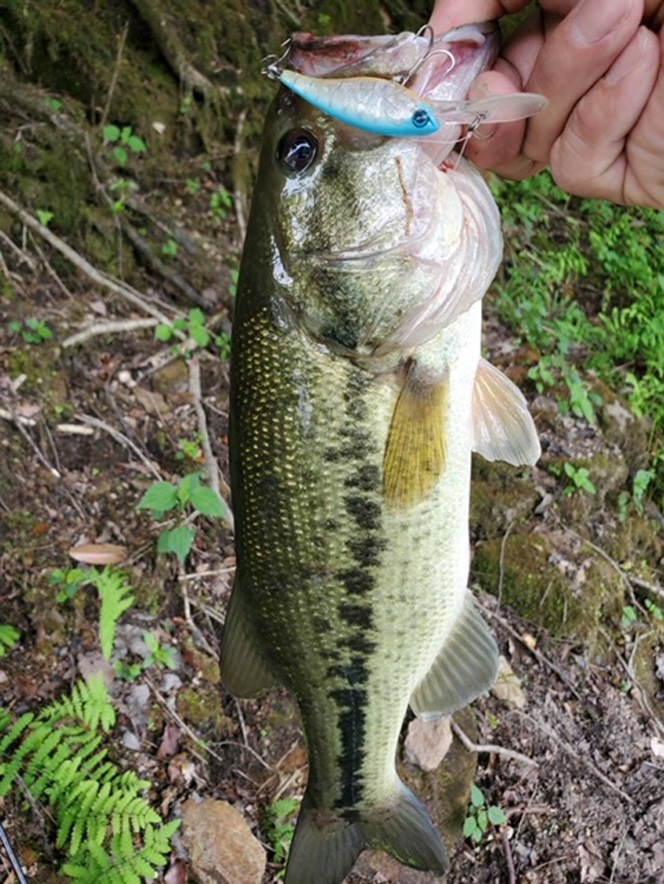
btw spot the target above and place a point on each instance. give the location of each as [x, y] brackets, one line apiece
[114, 593]
[9, 636]
[108, 829]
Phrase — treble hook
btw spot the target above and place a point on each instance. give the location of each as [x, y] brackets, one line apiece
[403, 81]
[272, 65]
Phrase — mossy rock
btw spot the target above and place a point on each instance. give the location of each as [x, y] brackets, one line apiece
[547, 580]
[494, 507]
[649, 648]
[201, 707]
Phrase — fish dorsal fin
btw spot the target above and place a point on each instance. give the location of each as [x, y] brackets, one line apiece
[502, 426]
[466, 667]
[416, 448]
[244, 672]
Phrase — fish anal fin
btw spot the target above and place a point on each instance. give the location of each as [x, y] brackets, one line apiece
[466, 667]
[244, 671]
[416, 449]
[503, 428]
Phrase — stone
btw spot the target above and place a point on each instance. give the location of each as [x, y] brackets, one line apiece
[508, 688]
[222, 848]
[427, 742]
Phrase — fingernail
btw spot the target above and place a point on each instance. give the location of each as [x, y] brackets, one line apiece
[628, 59]
[595, 20]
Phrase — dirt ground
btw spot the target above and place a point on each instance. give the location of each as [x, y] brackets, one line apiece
[87, 427]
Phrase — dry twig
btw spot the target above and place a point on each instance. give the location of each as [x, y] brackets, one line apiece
[490, 748]
[121, 438]
[108, 328]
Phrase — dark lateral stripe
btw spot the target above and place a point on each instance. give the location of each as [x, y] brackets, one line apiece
[366, 513]
[356, 615]
[357, 582]
[352, 725]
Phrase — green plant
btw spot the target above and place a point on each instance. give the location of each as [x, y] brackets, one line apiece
[223, 341]
[170, 248]
[580, 477]
[629, 617]
[193, 186]
[194, 326]
[480, 816]
[124, 142]
[9, 637]
[279, 825]
[107, 829]
[189, 448]
[114, 594]
[33, 331]
[654, 610]
[188, 494]
[44, 216]
[220, 202]
[159, 655]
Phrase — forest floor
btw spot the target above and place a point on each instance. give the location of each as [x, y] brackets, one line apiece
[87, 427]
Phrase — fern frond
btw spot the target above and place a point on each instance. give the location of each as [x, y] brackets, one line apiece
[115, 594]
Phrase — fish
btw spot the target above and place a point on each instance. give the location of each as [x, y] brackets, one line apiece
[387, 107]
[358, 393]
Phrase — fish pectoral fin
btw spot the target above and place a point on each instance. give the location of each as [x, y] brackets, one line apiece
[503, 428]
[416, 449]
[466, 667]
[325, 845]
[244, 671]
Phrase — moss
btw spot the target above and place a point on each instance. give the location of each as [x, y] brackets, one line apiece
[494, 507]
[562, 590]
[646, 654]
[201, 707]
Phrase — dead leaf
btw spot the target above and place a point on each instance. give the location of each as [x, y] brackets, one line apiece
[99, 553]
[508, 688]
[169, 741]
[178, 872]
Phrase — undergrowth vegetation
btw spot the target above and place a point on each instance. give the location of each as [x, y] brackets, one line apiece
[583, 285]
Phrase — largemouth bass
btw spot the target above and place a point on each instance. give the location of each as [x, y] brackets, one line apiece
[358, 393]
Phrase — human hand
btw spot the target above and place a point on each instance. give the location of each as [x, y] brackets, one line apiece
[601, 65]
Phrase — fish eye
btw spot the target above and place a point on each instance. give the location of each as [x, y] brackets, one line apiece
[297, 150]
[420, 118]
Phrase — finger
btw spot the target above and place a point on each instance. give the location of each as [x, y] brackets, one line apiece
[496, 145]
[645, 148]
[652, 8]
[579, 51]
[449, 14]
[589, 158]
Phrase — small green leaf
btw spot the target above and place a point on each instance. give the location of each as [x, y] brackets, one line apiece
[111, 133]
[160, 497]
[208, 502]
[483, 820]
[477, 835]
[163, 332]
[200, 334]
[136, 144]
[196, 316]
[178, 541]
[497, 815]
[476, 796]
[15, 325]
[469, 827]
[150, 641]
[54, 103]
[121, 156]
[45, 217]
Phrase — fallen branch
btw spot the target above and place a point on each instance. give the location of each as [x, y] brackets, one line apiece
[490, 748]
[115, 285]
[108, 328]
[210, 460]
[121, 438]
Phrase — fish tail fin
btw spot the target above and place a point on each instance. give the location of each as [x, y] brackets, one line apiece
[406, 832]
[325, 850]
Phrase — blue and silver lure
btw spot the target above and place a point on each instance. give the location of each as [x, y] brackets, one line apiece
[383, 107]
[386, 107]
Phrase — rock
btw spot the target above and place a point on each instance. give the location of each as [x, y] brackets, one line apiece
[131, 741]
[427, 742]
[508, 688]
[222, 849]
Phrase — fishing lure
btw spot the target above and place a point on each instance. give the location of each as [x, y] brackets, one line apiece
[383, 107]
[386, 107]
